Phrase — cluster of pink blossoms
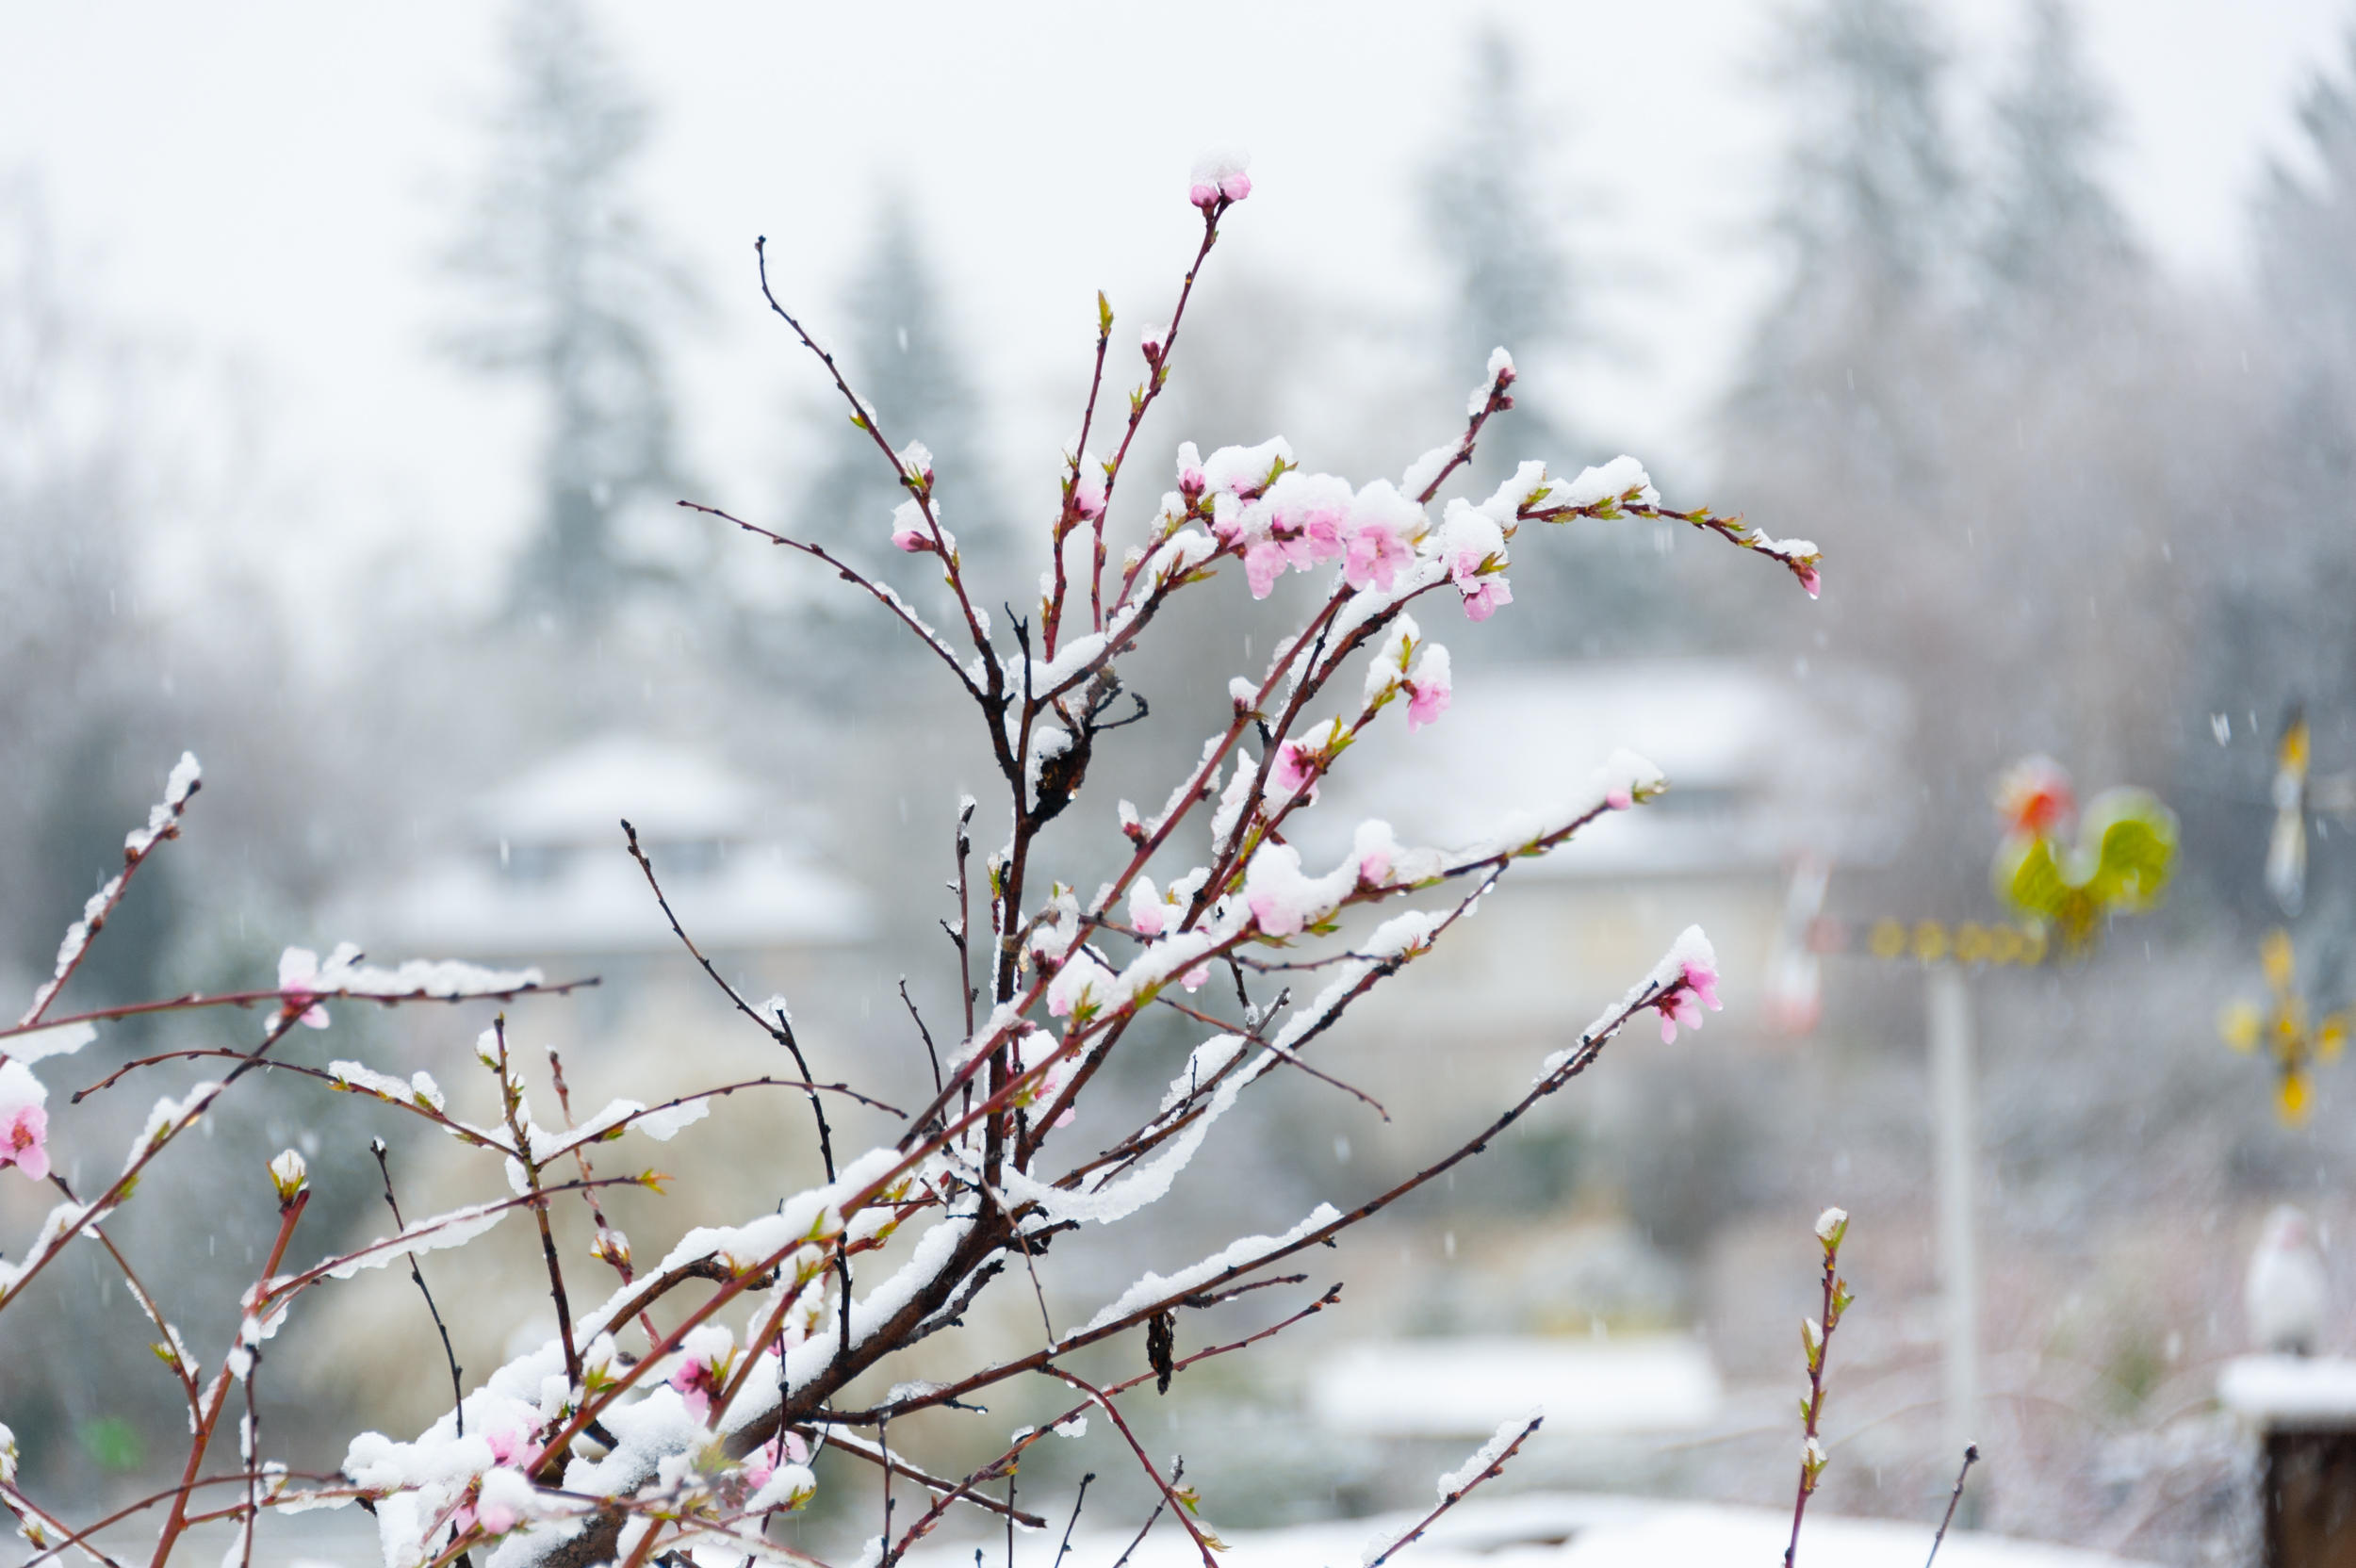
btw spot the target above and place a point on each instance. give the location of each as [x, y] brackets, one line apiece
[23, 1120]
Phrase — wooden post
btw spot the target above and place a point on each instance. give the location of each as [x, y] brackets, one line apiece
[2303, 1411]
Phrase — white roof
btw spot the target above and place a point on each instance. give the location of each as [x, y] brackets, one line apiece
[1465, 1387]
[579, 795]
[761, 896]
[1761, 765]
[1559, 1531]
[2291, 1393]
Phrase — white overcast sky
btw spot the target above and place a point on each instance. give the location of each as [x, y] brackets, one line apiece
[271, 181]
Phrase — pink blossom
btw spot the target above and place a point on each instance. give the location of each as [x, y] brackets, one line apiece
[1374, 868]
[1192, 480]
[761, 1462]
[1428, 687]
[1321, 536]
[23, 1120]
[1088, 494]
[1809, 580]
[1196, 978]
[1374, 556]
[496, 1518]
[1148, 914]
[1429, 700]
[297, 968]
[1483, 591]
[512, 1445]
[1296, 768]
[1277, 916]
[706, 1356]
[1618, 798]
[1483, 598]
[1263, 564]
[1696, 988]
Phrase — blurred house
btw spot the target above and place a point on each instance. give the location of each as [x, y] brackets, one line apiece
[537, 868]
[1766, 768]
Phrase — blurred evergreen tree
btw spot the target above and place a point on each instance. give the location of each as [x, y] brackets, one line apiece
[2306, 223]
[898, 353]
[1868, 211]
[571, 295]
[902, 360]
[1511, 279]
[1514, 282]
[2276, 630]
[2054, 240]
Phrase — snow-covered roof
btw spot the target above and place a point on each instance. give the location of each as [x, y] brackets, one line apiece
[1559, 1531]
[761, 896]
[543, 870]
[1761, 764]
[2291, 1393]
[1464, 1387]
[578, 796]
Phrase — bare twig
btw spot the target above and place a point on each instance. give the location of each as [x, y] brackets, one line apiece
[931, 1054]
[1177, 1474]
[1970, 1457]
[457, 1388]
[1077, 1504]
[1450, 1499]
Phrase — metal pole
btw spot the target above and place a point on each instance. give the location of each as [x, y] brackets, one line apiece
[1955, 1135]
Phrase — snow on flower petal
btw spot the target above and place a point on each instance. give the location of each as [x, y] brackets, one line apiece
[298, 968]
[1148, 914]
[1431, 687]
[23, 1120]
[909, 530]
[1220, 176]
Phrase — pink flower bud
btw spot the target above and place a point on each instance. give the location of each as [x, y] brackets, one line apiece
[1217, 178]
[1088, 494]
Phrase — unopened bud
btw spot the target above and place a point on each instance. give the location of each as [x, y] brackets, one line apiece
[1830, 1224]
[290, 1176]
[611, 1247]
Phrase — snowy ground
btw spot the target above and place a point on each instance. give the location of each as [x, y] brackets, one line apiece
[1566, 1529]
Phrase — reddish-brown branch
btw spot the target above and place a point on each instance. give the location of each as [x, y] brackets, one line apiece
[135, 849]
[1202, 1541]
[195, 1001]
[217, 1399]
